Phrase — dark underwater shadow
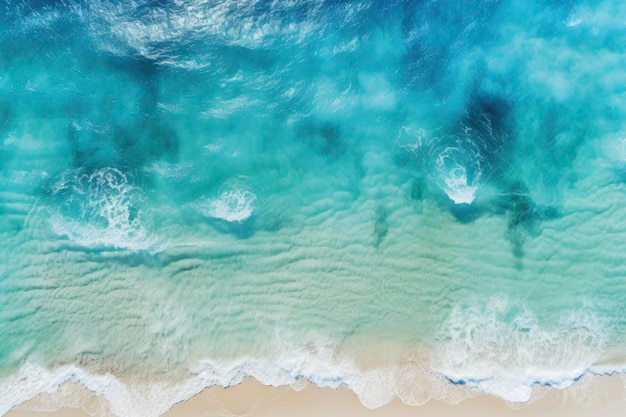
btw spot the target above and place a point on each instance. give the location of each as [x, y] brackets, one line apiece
[324, 137]
[484, 138]
[240, 229]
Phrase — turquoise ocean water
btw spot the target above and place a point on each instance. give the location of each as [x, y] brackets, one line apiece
[412, 198]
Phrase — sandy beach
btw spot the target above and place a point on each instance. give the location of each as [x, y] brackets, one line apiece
[600, 396]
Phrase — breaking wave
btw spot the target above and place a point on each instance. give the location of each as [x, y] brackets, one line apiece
[503, 349]
[100, 208]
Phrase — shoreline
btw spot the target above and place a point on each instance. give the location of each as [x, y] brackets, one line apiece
[250, 398]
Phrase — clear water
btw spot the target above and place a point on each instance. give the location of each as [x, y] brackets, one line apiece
[212, 189]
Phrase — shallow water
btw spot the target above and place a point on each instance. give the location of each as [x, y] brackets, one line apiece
[263, 186]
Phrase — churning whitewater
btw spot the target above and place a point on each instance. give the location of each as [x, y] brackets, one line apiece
[421, 198]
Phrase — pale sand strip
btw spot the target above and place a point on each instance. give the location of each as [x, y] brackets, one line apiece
[252, 399]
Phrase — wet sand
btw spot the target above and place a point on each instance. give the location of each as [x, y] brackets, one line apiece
[598, 397]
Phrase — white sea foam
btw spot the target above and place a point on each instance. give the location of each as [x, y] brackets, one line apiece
[151, 399]
[457, 188]
[123, 400]
[454, 179]
[232, 205]
[502, 349]
[316, 364]
[99, 208]
[414, 383]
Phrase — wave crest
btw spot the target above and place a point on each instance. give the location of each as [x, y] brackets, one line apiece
[232, 205]
[453, 176]
[100, 208]
[502, 349]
